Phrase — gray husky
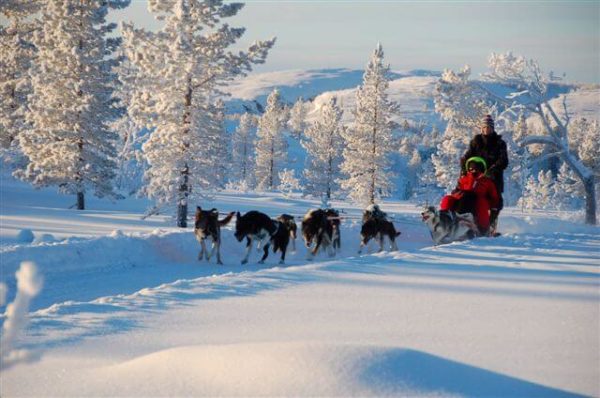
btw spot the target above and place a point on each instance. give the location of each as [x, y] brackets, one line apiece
[446, 227]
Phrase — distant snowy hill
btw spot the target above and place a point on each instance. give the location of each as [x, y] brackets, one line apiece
[413, 90]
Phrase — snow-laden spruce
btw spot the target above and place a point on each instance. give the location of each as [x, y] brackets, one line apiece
[446, 160]
[220, 140]
[519, 171]
[271, 146]
[70, 144]
[297, 122]
[324, 145]
[16, 55]
[369, 139]
[131, 164]
[242, 166]
[179, 69]
[288, 182]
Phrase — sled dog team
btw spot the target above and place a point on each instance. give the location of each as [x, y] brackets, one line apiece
[469, 211]
[320, 229]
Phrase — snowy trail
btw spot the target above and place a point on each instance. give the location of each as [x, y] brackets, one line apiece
[133, 313]
[525, 318]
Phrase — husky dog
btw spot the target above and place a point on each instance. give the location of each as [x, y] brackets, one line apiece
[257, 226]
[290, 225]
[322, 227]
[208, 225]
[446, 227]
[378, 228]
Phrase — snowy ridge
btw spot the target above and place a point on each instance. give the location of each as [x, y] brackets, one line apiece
[301, 368]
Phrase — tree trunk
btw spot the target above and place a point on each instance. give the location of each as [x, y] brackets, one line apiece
[272, 167]
[590, 200]
[182, 205]
[80, 201]
[182, 209]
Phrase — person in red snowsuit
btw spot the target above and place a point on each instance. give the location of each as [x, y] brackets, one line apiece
[477, 189]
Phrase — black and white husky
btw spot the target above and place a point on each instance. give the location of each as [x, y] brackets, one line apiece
[208, 225]
[446, 227]
[322, 226]
[378, 228]
[259, 227]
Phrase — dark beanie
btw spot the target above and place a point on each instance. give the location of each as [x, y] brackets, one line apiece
[488, 121]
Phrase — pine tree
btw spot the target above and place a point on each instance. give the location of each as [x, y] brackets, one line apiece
[243, 151]
[297, 122]
[131, 164]
[568, 190]
[16, 55]
[324, 145]
[70, 143]
[369, 140]
[220, 139]
[540, 192]
[178, 70]
[288, 182]
[518, 169]
[271, 146]
[446, 160]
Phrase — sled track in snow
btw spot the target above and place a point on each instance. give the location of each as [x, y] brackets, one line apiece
[155, 273]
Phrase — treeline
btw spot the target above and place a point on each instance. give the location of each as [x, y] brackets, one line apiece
[144, 113]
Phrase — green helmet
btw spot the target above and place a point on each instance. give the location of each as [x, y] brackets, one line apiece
[476, 159]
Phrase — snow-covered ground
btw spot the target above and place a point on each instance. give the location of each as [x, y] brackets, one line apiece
[127, 309]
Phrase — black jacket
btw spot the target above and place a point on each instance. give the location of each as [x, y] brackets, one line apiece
[492, 148]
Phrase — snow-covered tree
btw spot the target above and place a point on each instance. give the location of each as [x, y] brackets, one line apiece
[70, 143]
[446, 160]
[463, 107]
[539, 192]
[531, 95]
[271, 146]
[16, 55]
[583, 140]
[568, 189]
[288, 182]
[297, 121]
[220, 140]
[131, 164]
[456, 99]
[243, 151]
[369, 139]
[179, 69]
[324, 145]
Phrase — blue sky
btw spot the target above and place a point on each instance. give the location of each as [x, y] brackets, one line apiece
[564, 36]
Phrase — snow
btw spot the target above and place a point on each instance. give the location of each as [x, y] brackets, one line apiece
[128, 310]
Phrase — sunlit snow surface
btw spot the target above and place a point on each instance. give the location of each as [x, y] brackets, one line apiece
[128, 310]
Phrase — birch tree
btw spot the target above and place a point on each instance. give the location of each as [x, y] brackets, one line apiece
[179, 69]
[530, 94]
[369, 139]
